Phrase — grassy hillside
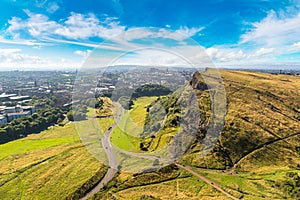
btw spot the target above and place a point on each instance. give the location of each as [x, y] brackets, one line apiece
[262, 126]
[166, 183]
[127, 134]
[257, 156]
[53, 164]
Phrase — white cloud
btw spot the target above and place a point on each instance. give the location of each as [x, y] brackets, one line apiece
[189, 32]
[16, 59]
[18, 41]
[263, 51]
[223, 54]
[8, 51]
[82, 53]
[36, 25]
[294, 47]
[274, 31]
[268, 38]
[149, 33]
[52, 7]
[77, 26]
[15, 56]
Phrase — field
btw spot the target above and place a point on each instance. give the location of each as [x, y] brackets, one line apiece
[43, 163]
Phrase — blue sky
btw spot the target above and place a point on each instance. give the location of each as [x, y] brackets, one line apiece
[42, 34]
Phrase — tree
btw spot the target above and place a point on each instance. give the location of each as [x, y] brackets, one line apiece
[99, 103]
[70, 116]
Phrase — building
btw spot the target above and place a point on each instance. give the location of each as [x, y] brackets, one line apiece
[10, 110]
[3, 119]
[12, 116]
[5, 97]
[31, 109]
[19, 98]
[2, 109]
[10, 113]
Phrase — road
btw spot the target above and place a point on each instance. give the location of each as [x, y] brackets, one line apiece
[211, 183]
[112, 158]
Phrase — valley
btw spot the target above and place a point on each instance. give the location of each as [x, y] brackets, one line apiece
[256, 156]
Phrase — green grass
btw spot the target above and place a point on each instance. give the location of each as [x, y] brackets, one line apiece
[47, 138]
[160, 184]
[56, 176]
[180, 188]
[40, 165]
[261, 107]
[127, 134]
[162, 139]
[54, 136]
[138, 110]
[124, 141]
[91, 112]
[24, 146]
[250, 185]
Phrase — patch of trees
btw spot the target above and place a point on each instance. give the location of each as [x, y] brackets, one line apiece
[144, 90]
[36, 123]
[77, 113]
[164, 112]
[126, 102]
[151, 90]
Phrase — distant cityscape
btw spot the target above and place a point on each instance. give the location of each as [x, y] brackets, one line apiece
[19, 87]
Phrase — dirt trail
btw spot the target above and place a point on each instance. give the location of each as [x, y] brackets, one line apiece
[231, 171]
[211, 183]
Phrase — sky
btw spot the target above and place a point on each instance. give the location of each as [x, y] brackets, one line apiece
[64, 34]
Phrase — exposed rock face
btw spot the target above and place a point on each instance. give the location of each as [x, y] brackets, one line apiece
[198, 83]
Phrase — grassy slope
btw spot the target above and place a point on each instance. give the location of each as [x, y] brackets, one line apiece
[126, 134]
[166, 183]
[40, 165]
[251, 185]
[261, 108]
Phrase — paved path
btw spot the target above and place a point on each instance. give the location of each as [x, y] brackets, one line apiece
[112, 158]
